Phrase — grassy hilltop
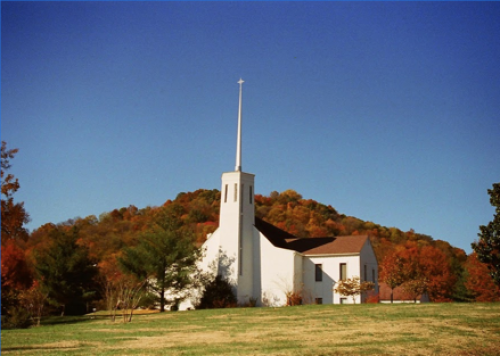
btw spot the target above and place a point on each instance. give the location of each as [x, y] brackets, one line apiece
[368, 329]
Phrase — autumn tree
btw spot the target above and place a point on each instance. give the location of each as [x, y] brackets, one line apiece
[351, 287]
[34, 300]
[16, 275]
[419, 270]
[392, 271]
[109, 280]
[479, 283]
[488, 247]
[164, 257]
[64, 269]
[414, 288]
[13, 214]
[435, 272]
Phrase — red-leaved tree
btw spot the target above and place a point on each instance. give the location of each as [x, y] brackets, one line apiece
[392, 271]
[479, 281]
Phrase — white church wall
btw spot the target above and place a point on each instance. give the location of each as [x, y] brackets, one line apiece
[209, 263]
[353, 270]
[299, 276]
[324, 289]
[321, 290]
[278, 273]
[211, 252]
[369, 266]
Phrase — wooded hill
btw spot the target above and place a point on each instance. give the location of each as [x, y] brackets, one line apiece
[106, 235]
[100, 261]
[450, 274]
[199, 210]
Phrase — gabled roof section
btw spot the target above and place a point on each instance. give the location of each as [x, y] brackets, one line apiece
[340, 245]
[275, 235]
[313, 245]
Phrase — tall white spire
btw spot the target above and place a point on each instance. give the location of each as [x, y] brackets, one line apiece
[238, 143]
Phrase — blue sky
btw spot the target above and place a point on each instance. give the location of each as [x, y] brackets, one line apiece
[388, 111]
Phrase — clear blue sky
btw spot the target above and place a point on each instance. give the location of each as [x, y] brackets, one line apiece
[389, 111]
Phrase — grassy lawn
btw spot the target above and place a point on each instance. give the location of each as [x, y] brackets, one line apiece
[369, 329]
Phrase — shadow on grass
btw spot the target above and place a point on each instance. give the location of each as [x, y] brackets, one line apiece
[58, 320]
[24, 348]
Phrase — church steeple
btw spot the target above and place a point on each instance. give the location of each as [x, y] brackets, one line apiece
[236, 225]
[238, 142]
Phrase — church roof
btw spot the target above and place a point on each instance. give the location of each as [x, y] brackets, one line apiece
[275, 235]
[311, 245]
[340, 245]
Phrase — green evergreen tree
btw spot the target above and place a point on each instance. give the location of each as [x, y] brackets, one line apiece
[64, 269]
[488, 246]
[165, 256]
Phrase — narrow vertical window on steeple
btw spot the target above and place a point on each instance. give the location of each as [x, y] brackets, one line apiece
[235, 191]
[251, 194]
[240, 249]
[242, 190]
[225, 194]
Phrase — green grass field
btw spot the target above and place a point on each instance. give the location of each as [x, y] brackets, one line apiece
[369, 329]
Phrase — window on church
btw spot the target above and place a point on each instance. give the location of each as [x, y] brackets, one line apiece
[343, 300]
[365, 273]
[373, 275]
[242, 190]
[235, 191]
[318, 272]
[251, 194]
[225, 194]
[343, 271]
[319, 300]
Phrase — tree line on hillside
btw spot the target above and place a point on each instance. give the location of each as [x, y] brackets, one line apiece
[130, 257]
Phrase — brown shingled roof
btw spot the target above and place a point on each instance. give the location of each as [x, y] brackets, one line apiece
[340, 245]
[312, 245]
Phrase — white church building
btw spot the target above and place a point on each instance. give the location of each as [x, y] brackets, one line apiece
[266, 264]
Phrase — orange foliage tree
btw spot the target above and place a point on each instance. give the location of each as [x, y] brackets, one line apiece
[436, 270]
[479, 281]
[16, 275]
[13, 214]
[419, 270]
[392, 271]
